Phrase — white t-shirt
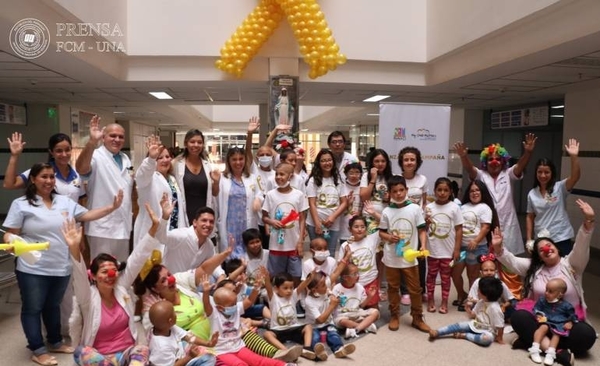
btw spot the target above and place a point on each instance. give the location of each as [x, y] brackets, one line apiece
[473, 217]
[488, 316]
[474, 292]
[263, 184]
[377, 194]
[253, 264]
[405, 223]
[550, 212]
[296, 181]
[164, 351]
[230, 335]
[416, 187]
[327, 267]
[285, 202]
[347, 158]
[352, 210]
[70, 186]
[314, 307]
[350, 298]
[442, 234]
[182, 250]
[363, 256]
[284, 311]
[327, 199]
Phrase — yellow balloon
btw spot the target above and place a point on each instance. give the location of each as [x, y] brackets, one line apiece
[341, 59]
[313, 74]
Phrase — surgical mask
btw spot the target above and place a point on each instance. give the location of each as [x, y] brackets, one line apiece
[553, 301]
[229, 310]
[321, 255]
[285, 185]
[396, 201]
[265, 161]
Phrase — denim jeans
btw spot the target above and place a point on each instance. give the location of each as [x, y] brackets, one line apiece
[484, 338]
[204, 360]
[332, 241]
[40, 298]
[334, 341]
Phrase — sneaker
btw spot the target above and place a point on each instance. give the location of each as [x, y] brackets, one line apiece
[534, 354]
[549, 359]
[308, 354]
[288, 355]
[350, 333]
[300, 311]
[344, 351]
[371, 329]
[565, 357]
[320, 351]
[405, 299]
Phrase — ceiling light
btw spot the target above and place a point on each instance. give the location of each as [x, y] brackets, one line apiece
[557, 115]
[216, 129]
[161, 95]
[376, 98]
[118, 112]
[372, 114]
[557, 106]
[304, 130]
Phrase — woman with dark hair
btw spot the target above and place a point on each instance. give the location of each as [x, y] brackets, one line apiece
[237, 201]
[153, 179]
[38, 217]
[479, 220]
[546, 201]
[68, 182]
[544, 265]
[327, 200]
[196, 179]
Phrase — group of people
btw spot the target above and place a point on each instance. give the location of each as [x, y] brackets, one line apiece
[217, 255]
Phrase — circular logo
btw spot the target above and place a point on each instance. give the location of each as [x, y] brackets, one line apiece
[29, 38]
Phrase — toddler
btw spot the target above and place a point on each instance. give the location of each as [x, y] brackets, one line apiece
[488, 269]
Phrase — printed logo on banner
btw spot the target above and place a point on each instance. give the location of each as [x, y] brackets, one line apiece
[424, 134]
[399, 133]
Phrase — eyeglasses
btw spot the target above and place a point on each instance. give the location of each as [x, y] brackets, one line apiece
[325, 161]
[337, 142]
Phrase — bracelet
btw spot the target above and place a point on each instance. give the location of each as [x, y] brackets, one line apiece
[371, 182]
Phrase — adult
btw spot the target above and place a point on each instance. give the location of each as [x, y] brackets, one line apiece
[546, 264]
[547, 199]
[187, 248]
[68, 182]
[38, 217]
[337, 144]
[197, 181]
[153, 179]
[108, 170]
[410, 160]
[236, 201]
[498, 177]
[104, 326]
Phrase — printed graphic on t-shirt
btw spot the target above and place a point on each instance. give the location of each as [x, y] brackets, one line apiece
[286, 315]
[403, 229]
[363, 259]
[328, 196]
[470, 222]
[441, 226]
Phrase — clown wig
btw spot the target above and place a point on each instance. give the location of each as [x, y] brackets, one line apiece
[491, 150]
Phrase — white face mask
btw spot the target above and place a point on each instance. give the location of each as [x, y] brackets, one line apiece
[265, 161]
[553, 301]
[321, 255]
[397, 202]
[285, 185]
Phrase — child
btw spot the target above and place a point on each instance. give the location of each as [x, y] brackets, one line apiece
[488, 269]
[555, 317]
[402, 226]
[363, 248]
[230, 348]
[326, 199]
[166, 348]
[487, 325]
[321, 259]
[288, 156]
[255, 256]
[444, 221]
[320, 305]
[284, 324]
[353, 172]
[351, 312]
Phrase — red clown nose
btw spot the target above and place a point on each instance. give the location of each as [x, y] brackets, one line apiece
[494, 163]
[111, 273]
[171, 280]
[545, 249]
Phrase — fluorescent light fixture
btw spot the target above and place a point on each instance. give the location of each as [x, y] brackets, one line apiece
[304, 130]
[161, 95]
[372, 114]
[118, 112]
[557, 115]
[216, 129]
[376, 98]
[557, 106]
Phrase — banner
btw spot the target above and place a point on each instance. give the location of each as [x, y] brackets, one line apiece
[424, 126]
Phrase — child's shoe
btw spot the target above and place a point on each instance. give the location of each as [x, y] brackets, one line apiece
[534, 354]
[371, 329]
[550, 357]
[344, 351]
[308, 354]
[350, 333]
[288, 355]
[320, 351]
[405, 299]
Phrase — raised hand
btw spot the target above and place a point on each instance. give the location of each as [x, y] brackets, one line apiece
[215, 175]
[253, 124]
[368, 207]
[72, 232]
[154, 218]
[118, 200]
[205, 283]
[16, 143]
[96, 133]
[572, 147]
[529, 143]
[461, 149]
[373, 175]
[166, 206]
[153, 144]
[497, 240]
[586, 209]
[213, 339]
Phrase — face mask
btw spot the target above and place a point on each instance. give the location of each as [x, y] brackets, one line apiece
[285, 185]
[229, 311]
[553, 301]
[321, 256]
[265, 161]
[396, 201]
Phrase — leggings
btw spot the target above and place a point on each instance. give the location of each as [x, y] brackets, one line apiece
[581, 338]
[441, 265]
[258, 345]
[132, 356]
[245, 357]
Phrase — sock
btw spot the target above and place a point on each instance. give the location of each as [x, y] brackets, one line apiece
[535, 347]
[551, 351]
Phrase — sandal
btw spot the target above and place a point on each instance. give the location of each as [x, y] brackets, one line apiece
[431, 308]
[443, 310]
[62, 349]
[458, 302]
[44, 359]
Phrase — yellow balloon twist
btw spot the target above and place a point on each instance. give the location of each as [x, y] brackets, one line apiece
[317, 45]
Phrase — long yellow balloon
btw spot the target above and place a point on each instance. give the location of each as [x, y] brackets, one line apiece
[21, 247]
[317, 45]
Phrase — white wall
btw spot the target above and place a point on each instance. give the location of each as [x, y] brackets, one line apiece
[452, 24]
[113, 12]
[386, 30]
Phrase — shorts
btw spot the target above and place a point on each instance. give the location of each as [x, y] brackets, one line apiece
[277, 264]
[290, 334]
[473, 255]
[356, 316]
[375, 299]
[254, 311]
